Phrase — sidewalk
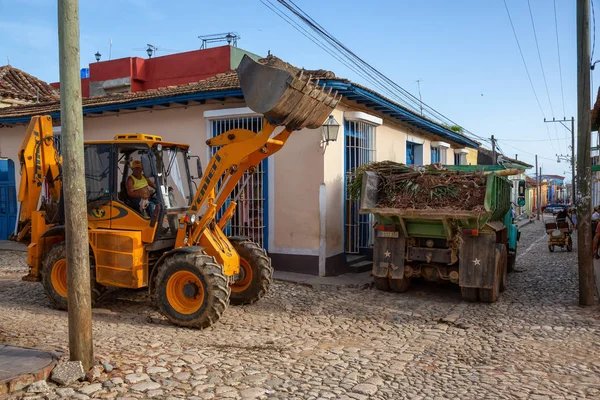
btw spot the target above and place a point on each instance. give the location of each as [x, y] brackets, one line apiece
[347, 280]
[20, 367]
[13, 246]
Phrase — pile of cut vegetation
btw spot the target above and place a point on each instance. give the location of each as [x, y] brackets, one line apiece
[423, 187]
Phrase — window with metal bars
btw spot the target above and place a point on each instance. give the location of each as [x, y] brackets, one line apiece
[359, 150]
[251, 193]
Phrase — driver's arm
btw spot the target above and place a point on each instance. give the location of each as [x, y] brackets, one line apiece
[151, 183]
[130, 192]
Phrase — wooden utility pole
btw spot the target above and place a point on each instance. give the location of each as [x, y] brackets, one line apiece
[76, 233]
[573, 159]
[538, 207]
[584, 169]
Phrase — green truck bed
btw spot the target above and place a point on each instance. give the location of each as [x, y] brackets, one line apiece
[440, 223]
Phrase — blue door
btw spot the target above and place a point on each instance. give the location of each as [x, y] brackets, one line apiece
[8, 199]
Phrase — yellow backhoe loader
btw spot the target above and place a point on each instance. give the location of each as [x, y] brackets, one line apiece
[169, 241]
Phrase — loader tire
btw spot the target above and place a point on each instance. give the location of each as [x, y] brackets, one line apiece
[191, 290]
[381, 283]
[257, 273]
[399, 285]
[512, 259]
[54, 277]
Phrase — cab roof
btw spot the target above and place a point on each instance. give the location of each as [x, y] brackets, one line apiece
[137, 138]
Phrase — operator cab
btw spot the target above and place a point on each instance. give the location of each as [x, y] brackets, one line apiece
[164, 173]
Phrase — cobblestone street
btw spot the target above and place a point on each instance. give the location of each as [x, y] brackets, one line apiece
[347, 343]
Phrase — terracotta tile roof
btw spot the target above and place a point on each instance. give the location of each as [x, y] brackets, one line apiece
[224, 81]
[17, 84]
[220, 82]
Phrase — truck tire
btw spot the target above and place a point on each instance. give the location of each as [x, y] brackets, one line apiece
[258, 273]
[399, 285]
[469, 293]
[502, 254]
[512, 259]
[54, 277]
[491, 295]
[191, 289]
[381, 283]
[569, 244]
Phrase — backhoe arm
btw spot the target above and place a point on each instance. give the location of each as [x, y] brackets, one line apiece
[40, 169]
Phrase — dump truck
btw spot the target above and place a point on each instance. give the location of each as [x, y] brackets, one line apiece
[169, 241]
[466, 246]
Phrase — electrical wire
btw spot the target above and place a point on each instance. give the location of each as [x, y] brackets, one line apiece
[528, 74]
[413, 103]
[562, 92]
[542, 67]
[526, 152]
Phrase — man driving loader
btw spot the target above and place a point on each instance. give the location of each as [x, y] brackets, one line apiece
[138, 190]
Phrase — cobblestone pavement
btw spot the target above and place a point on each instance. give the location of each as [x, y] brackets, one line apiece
[347, 343]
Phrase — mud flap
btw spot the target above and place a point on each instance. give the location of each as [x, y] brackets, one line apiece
[478, 261]
[388, 255]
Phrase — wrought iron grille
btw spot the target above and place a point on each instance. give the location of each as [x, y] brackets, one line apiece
[250, 217]
[359, 150]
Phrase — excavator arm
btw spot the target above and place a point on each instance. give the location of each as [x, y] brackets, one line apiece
[294, 102]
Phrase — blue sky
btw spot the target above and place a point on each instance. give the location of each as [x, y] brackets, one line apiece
[463, 51]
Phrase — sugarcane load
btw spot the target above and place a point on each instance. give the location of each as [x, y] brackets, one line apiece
[441, 224]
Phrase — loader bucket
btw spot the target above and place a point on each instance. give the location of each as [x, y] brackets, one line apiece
[284, 99]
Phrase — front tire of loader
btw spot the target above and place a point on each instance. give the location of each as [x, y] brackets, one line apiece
[503, 266]
[257, 273]
[191, 290]
[54, 277]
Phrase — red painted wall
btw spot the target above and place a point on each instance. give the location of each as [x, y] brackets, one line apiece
[85, 87]
[153, 73]
[182, 68]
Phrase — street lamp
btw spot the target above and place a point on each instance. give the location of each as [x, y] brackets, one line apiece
[330, 130]
[98, 55]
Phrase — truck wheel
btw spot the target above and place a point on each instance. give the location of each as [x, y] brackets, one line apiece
[399, 285]
[54, 277]
[191, 290]
[257, 273]
[491, 295]
[551, 248]
[569, 244]
[503, 262]
[381, 283]
[512, 258]
[469, 293]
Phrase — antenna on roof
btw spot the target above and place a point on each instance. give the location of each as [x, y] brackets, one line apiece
[8, 59]
[230, 37]
[110, 48]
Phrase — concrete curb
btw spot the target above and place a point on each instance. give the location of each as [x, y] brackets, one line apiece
[313, 281]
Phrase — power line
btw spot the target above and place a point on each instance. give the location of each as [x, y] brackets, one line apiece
[316, 41]
[542, 67]
[527, 70]
[414, 103]
[562, 92]
[526, 152]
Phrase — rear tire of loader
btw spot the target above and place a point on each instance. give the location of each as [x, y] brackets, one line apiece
[381, 283]
[257, 270]
[399, 285]
[54, 277]
[191, 290]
